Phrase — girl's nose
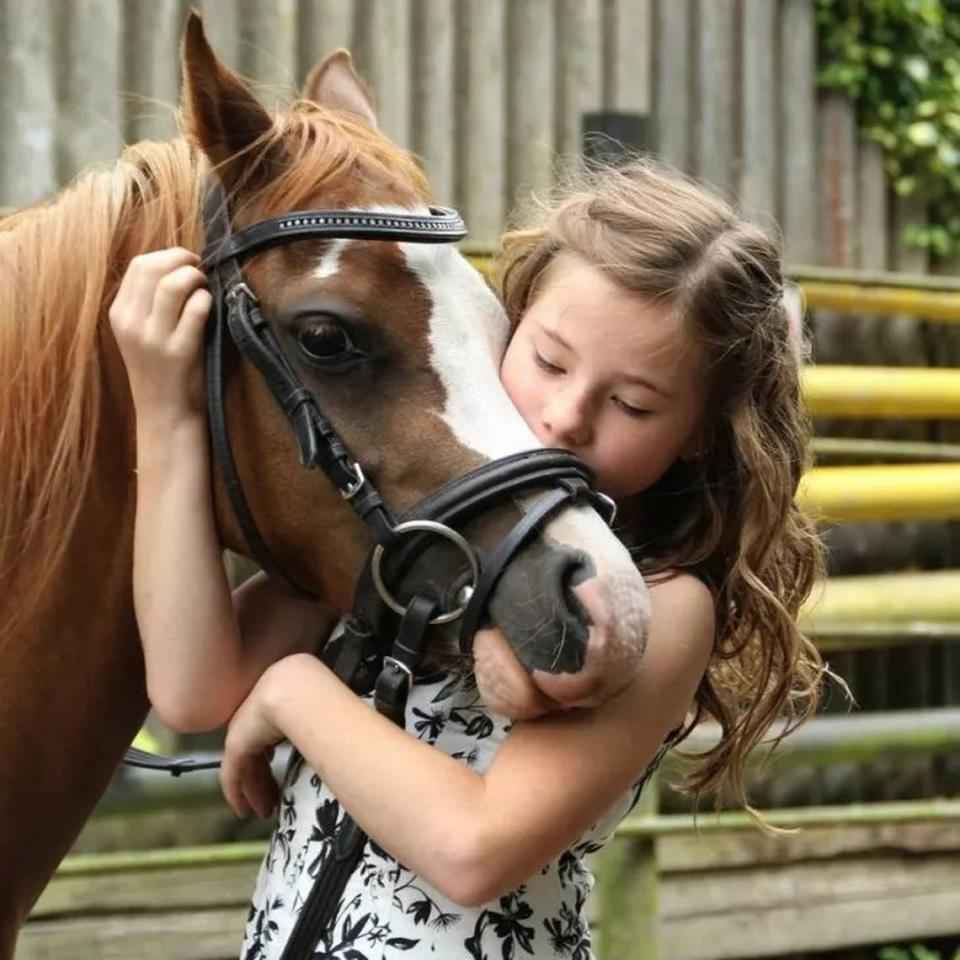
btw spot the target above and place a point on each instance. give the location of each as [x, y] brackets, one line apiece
[566, 419]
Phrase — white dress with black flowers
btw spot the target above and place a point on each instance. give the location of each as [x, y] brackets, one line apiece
[387, 912]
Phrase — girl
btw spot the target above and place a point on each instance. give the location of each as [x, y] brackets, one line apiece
[650, 338]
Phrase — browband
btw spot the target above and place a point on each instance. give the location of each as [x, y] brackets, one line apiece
[443, 225]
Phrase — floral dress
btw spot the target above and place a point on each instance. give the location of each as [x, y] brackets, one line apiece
[388, 912]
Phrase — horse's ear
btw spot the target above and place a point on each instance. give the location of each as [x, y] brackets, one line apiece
[219, 111]
[335, 84]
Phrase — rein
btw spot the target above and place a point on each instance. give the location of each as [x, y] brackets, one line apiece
[363, 656]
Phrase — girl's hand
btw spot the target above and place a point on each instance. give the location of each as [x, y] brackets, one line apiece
[158, 317]
[245, 776]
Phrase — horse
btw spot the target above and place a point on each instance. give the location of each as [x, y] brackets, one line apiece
[421, 407]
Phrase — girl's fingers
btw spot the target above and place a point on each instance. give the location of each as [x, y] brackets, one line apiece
[248, 786]
[230, 786]
[188, 336]
[134, 298]
[172, 292]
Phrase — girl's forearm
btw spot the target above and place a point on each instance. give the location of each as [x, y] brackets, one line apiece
[184, 610]
[430, 823]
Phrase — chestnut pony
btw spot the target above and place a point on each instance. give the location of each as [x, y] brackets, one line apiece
[423, 405]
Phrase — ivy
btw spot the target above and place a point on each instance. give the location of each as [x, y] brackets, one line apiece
[899, 62]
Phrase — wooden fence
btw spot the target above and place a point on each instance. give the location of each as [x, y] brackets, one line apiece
[488, 92]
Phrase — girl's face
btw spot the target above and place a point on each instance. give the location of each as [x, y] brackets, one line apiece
[606, 374]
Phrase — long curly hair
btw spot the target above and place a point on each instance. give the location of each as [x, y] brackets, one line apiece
[728, 516]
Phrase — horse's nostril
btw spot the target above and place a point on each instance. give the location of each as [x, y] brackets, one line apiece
[538, 609]
[576, 570]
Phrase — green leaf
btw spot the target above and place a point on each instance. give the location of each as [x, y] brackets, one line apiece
[905, 186]
[917, 68]
[923, 134]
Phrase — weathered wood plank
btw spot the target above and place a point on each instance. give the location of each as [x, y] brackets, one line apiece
[268, 48]
[198, 886]
[28, 58]
[531, 32]
[798, 65]
[221, 23]
[579, 83]
[673, 89]
[324, 25]
[759, 110]
[716, 133]
[628, 55]
[715, 849]
[433, 117]
[90, 119]
[188, 935]
[382, 44]
[151, 75]
[811, 906]
[481, 134]
[847, 738]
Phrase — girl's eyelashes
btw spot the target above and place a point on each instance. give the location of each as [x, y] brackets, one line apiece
[545, 364]
[630, 410]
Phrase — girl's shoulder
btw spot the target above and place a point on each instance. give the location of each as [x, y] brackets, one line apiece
[682, 630]
[681, 586]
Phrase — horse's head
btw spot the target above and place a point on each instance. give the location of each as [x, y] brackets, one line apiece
[400, 344]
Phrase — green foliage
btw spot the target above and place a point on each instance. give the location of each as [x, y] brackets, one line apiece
[899, 61]
[916, 951]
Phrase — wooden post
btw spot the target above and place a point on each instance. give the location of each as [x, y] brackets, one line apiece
[433, 110]
[627, 891]
[716, 131]
[798, 55]
[531, 101]
[481, 154]
[673, 98]
[28, 100]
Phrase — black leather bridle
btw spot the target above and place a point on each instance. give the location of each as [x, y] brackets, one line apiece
[384, 639]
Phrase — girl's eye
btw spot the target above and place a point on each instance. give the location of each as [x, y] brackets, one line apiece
[324, 340]
[545, 364]
[632, 411]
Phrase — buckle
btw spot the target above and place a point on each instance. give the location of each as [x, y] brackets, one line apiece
[359, 480]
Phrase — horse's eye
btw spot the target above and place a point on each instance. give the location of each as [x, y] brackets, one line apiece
[324, 340]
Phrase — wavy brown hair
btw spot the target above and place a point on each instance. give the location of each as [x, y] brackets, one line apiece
[729, 516]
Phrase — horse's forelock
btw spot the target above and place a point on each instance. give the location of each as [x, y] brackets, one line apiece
[323, 151]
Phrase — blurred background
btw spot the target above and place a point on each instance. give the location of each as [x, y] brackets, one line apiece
[835, 121]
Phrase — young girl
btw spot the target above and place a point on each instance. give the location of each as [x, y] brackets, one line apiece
[650, 338]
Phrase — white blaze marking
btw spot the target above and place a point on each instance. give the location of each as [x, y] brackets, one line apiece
[330, 261]
[468, 333]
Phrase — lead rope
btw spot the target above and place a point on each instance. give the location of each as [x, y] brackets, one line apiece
[390, 699]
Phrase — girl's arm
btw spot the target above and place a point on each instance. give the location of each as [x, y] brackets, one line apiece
[202, 654]
[475, 836]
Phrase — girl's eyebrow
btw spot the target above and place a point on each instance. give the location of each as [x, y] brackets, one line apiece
[634, 379]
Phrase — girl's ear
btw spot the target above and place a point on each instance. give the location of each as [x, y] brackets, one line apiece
[333, 83]
[219, 111]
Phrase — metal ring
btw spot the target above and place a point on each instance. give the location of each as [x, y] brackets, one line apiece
[424, 526]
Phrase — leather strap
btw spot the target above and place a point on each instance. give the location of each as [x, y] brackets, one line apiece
[392, 689]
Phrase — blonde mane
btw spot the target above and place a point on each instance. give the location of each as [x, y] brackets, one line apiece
[61, 263]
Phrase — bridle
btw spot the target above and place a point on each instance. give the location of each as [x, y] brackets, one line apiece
[364, 656]
[237, 314]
